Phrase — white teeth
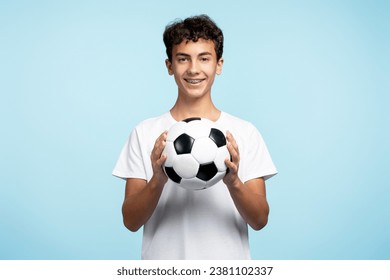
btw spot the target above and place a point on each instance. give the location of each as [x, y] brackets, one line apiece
[194, 81]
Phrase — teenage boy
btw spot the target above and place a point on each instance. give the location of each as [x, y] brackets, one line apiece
[184, 224]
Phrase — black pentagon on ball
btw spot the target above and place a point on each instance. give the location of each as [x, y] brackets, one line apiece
[183, 144]
[217, 136]
[191, 119]
[172, 175]
[207, 171]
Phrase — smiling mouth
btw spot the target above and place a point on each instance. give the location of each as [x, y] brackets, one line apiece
[194, 81]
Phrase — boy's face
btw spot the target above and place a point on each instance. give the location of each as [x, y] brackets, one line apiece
[194, 65]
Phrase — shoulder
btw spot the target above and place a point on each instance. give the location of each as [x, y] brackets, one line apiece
[236, 124]
[152, 121]
[160, 122]
[152, 127]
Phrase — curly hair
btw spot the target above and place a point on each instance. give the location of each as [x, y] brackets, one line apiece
[193, 29]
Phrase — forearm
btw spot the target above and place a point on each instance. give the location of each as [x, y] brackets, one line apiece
[140, 202]
[251, 202]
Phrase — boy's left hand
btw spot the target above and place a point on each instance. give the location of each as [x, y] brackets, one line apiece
[231, 178]
[249, 197]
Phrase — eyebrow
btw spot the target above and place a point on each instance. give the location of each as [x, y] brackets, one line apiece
[187, 55]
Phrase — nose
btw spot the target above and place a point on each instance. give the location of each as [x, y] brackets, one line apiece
[193, 68]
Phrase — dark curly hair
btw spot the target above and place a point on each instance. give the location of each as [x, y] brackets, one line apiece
[193, 29]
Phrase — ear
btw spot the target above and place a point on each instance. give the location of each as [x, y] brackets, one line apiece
[168, 64]
[219, 66]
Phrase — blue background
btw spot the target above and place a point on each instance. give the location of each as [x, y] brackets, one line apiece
[77, 76]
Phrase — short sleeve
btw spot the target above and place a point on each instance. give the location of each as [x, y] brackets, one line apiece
[130, 162]
[258, 162]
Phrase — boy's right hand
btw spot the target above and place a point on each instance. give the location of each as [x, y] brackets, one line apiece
[141, 197]
[158, 159]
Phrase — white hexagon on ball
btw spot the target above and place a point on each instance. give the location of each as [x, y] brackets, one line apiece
[186, 166]
[176, 130]
[199, 128]
[193, 184]
[204, 150]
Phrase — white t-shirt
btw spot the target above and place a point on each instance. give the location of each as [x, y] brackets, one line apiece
[190, 224]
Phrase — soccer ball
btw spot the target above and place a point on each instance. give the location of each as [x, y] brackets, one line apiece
[196, 151]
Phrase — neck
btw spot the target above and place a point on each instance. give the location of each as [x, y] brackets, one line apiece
[195, 108]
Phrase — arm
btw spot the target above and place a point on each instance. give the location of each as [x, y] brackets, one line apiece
[249, 197]
[141, 197]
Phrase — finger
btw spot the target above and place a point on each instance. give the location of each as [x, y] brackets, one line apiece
[157, 151]
[162, 137]
[232, 167]
[161, 160]
[234, 155]
[231, 140]
[159, 146]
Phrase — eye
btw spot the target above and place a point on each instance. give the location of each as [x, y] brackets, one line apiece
[204, 59]
[182, 59]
